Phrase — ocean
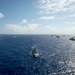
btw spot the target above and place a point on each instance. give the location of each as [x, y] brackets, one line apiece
[56, 55]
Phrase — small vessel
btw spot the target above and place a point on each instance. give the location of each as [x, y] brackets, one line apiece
[73, 38]
[63, 35]
[58, 36]
[35, 53]
[51, 35]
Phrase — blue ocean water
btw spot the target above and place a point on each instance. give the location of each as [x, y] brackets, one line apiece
[56, 55]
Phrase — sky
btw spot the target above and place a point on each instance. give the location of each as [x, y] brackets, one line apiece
[37, 16]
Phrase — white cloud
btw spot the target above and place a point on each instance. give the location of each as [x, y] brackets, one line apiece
[19, 27]
[47, 17]
[29, 29]
[1, 15]
[67, 22]
[70, 23]
[37, 29]
[50, 27]
[12, 28]
[73, 15]
[53, 6]
[32, 26]
[70, 28]
[23, 21]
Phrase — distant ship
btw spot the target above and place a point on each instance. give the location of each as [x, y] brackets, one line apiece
[35, 53]
[73, 38]
[58, 36]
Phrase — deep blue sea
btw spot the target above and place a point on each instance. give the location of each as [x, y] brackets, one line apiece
[56, 55]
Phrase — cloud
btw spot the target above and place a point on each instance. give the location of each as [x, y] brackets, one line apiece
[1, 15]
[32, 26]
[70, 28]
[50, 27]
[14, 27]
[73, 15]
[47, 18]
[70, 23]
[23, 21]
[54, 6]
[29, 29]
[37, 29]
